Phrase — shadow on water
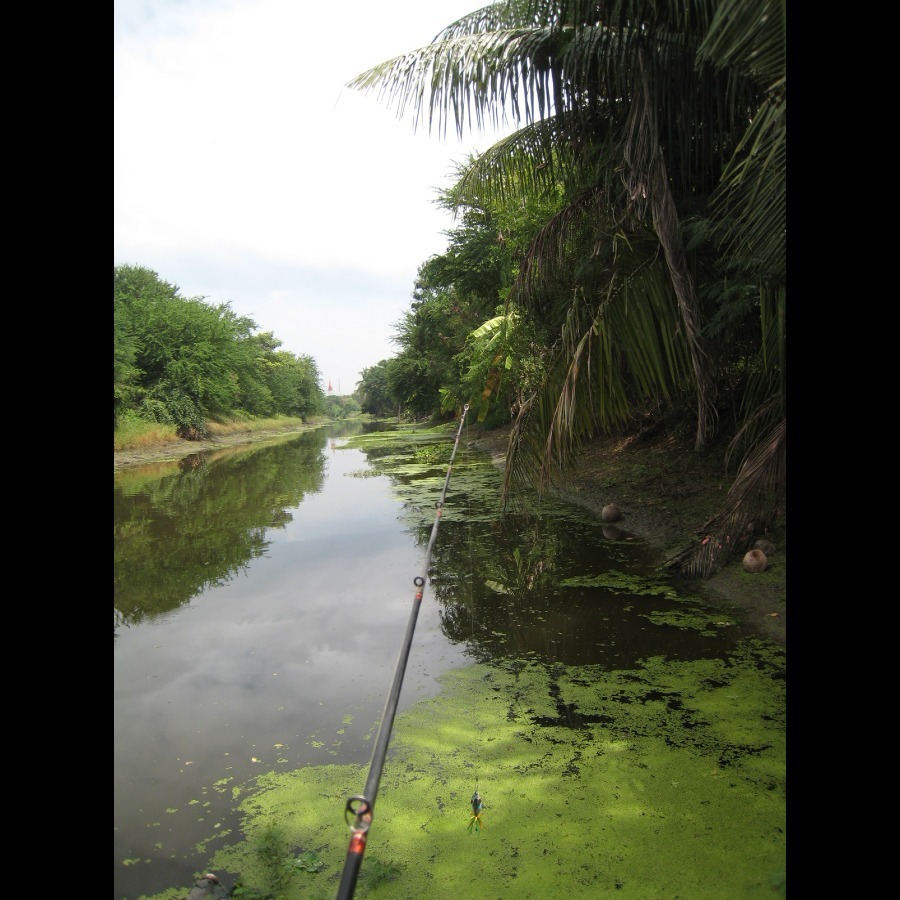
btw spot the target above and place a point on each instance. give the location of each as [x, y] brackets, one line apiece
[555, 590]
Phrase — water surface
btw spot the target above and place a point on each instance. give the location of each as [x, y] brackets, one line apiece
[262, 595]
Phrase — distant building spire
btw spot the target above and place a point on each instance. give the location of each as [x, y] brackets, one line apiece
[329, 386]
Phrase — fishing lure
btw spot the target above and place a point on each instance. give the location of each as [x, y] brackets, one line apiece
[477, 805]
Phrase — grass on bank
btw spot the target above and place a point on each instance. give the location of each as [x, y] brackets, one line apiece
[136, 434]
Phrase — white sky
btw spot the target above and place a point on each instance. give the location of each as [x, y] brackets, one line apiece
[245, 172]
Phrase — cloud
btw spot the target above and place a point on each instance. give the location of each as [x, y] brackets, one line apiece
[246, 173]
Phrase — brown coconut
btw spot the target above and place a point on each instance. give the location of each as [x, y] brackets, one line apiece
[611, 513]
[755, 561]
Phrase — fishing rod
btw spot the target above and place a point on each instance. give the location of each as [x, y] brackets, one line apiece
[361, 807]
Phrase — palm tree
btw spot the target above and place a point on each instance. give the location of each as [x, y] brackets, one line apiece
[663, 120]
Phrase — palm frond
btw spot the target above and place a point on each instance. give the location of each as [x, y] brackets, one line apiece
[648, 183]
[763, 404]
[528, 162]
[562, 238]
[748, 35]
[471, 81]
[751, 202]
[614, 361]
[521, 62]
[757, 494]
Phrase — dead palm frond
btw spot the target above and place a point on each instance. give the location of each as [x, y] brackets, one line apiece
[755, 499]
[617, 358]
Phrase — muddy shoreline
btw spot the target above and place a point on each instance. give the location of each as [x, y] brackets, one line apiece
[179, 449]
[666, 491]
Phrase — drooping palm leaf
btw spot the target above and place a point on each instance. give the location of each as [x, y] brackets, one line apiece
[615, 360]
[752, 199]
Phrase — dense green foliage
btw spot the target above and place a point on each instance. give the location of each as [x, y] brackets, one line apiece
[342, 407]
[375, 393]
[181, 361]
[620, 265]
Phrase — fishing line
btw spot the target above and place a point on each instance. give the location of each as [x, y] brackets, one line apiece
[477, 804]
[361, 807]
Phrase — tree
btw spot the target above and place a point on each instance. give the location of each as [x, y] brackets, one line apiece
[662, 124]
[126, 375]
[453, 294]
[180, 361]
[374, 392]
[341, 407]
[294, 383]
[188, 351]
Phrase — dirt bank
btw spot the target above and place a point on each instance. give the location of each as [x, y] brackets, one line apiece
[666, 491]
[179, 449]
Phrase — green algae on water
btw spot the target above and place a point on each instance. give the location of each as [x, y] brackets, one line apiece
[663, 781]
[622, 583]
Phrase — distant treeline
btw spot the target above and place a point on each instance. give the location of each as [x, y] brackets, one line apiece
[181, 361]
